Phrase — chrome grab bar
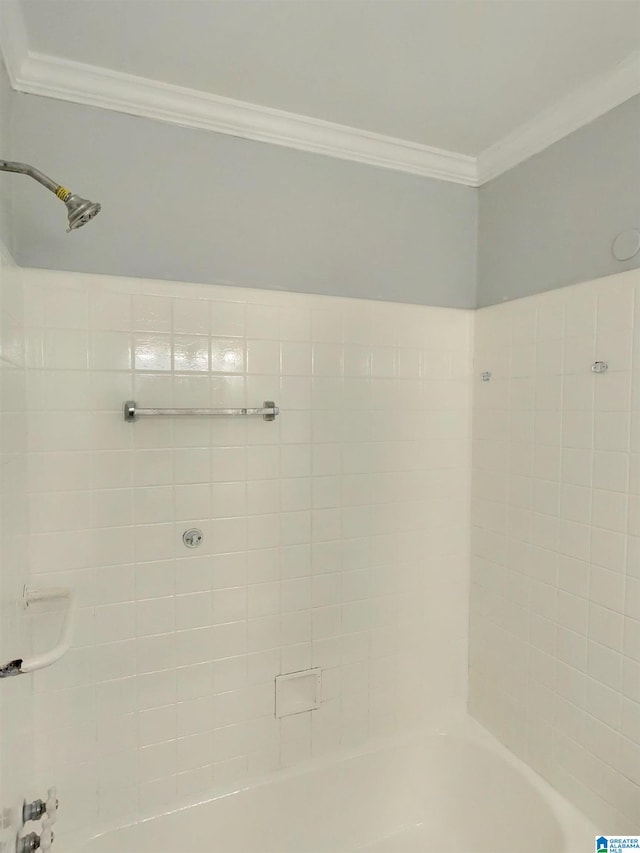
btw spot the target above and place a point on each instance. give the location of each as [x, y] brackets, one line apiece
[269, 411]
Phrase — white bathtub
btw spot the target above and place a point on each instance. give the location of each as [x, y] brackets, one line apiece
[459, 792]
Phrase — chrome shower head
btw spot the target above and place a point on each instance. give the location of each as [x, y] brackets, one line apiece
[79, 209]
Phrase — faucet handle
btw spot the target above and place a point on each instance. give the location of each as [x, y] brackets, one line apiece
[46, 836]
[52, 805]
[41, 808]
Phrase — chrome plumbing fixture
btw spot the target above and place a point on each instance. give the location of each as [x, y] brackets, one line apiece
[39, 808]
[28, 843]
[486, 376]
[269, 411]
[31, 842]
[192, 537]
[599, 367]
[80, 210]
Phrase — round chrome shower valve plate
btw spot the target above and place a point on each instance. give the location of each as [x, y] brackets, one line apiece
[192, 537]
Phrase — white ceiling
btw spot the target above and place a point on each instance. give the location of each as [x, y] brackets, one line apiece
[454, 75]
[489, 82]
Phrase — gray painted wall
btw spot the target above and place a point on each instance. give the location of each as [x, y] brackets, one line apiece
[6, 181]
[190, 205]
[196, 206]
[550, 221]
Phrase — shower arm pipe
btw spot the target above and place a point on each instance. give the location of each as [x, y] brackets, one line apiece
[25, 169]
[21, 666]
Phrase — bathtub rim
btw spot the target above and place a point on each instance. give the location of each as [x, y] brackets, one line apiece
[457, 724]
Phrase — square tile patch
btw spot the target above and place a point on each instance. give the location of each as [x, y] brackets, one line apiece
[298, 691]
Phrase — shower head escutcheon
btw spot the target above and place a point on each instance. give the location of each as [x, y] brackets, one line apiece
[79, 210]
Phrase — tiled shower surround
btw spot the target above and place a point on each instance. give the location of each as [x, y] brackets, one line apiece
[335, 537]
[555, 568]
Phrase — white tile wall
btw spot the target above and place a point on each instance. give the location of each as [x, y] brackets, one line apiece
[555, 594]
[17, 777]
[335, 537]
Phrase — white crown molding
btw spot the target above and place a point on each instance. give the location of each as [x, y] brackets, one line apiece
[39, 74]
[100, 87]
[564, 117]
